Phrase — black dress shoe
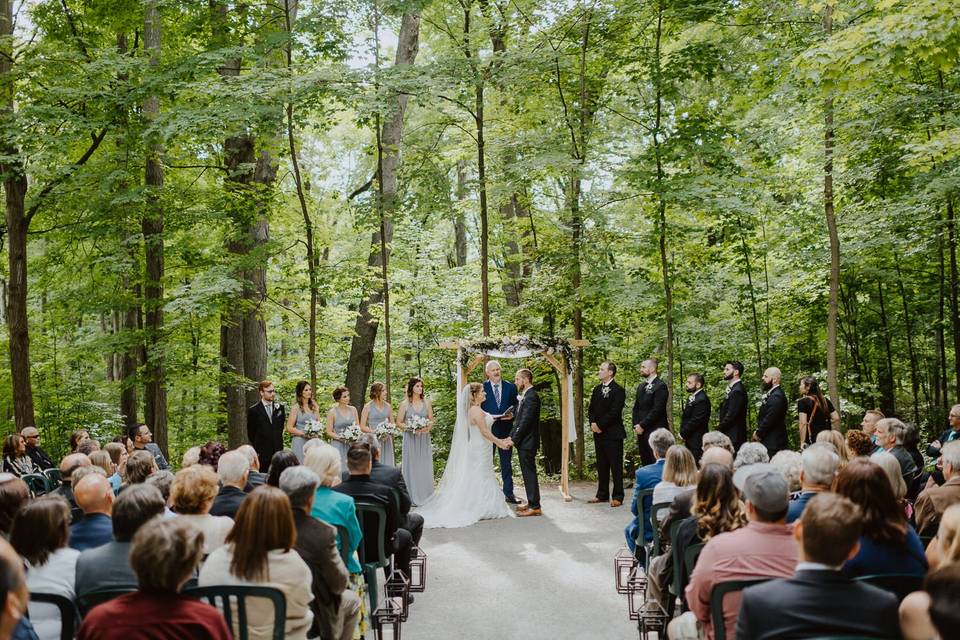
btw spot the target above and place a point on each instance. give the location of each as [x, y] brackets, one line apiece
[511, 500]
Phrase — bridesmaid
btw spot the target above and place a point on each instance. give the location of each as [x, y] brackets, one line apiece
[377, 411]
[305, 410]
[341, 416]
[417, 462]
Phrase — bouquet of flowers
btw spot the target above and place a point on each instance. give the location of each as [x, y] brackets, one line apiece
[313, 429]
[351, 434]
[417, 424]
[387, 429]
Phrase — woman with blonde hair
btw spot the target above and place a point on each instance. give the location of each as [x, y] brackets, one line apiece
[191, 497]
[944, 549]
[839, 443]
[103, 460]
[679, 476]
[375, 413]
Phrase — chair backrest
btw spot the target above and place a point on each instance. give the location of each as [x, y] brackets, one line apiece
[68, 612]
[720, 590]
[641, 528]
[690, 558]
[676, 559]
[89, 600]
[655, 523]
[344, 543]
[54, 476]
[373, 520]
[38, 483]
[226, 597]
[899, 584]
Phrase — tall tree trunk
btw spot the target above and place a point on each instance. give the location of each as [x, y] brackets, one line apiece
[459, 223]
[510, 279]
[943, 398]
[753, 296]
[914, 380]
[155, 400]
[365, 330]
[885, 376]
[828, 209]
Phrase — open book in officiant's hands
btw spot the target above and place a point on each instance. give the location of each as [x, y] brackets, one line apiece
[507, 415]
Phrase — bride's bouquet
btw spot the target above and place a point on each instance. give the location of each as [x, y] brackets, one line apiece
[313, 429]
[417, 424]
[387, 429]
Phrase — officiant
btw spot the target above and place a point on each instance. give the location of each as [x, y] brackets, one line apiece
[501, 401]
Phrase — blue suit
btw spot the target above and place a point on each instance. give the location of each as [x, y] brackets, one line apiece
[501, 428]
[94, 530]
[647, 478]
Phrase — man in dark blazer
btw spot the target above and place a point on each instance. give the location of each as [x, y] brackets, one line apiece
[772, 415]
[649, 408]
[695, 421]
[360, 486]
[733, 408]
[336, 609]
[605, 413]
[108, 566]
[933, 450]
[501, 401]
[31, 437]
[819, 600]
[525, 437]
[265, 424]
[232, 469]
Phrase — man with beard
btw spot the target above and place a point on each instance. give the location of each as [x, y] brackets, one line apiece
[606, 422]
[649, 409]
[733, 409]
[696, 416]
[772, 415]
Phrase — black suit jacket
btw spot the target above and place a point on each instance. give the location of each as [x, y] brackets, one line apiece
[365, 488]
[650, 407]
[40, 458]
[317, 545]
[526, 424]
[393, 478]
[227, 502]
[733, 414]
[816, 603]
[933, 453]
[772, 421]
[608, 412]
[264, 434]
[695, 422]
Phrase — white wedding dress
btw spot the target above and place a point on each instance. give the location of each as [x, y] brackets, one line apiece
[468, 491]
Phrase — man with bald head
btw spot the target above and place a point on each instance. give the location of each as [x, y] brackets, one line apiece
[95, 496]
[717, 455]
[772, 415]
[501, 400]
[41, 460]
[649, 408]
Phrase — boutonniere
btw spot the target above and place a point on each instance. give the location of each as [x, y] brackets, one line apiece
[726, 394]
[764, 397]
[605, 390]
[649, 387]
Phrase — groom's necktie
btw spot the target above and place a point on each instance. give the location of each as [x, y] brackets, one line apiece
[496, 394]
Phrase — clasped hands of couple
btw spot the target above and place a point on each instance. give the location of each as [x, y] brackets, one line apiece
[506, 443]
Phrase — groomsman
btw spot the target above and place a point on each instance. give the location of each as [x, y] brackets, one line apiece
[772, 415]
[265, 422]
[649, 409]
[501, 400]
[695, 421]
[733, 409]
[605, 413]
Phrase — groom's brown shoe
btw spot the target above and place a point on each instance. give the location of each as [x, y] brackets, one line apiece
[529, 512]
[595, 500]
[615, 503]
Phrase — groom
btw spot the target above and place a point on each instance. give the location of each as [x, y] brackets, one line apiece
[501, 400]
[525, 436]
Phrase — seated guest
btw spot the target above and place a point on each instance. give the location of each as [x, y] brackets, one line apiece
[336, 609]
[888, 543]
[718, 439]
[891, 466]
[190, 458]
[68, 465]
[232, 470]
[140, 464]
[818, 469]
[647, 478]
[332, 507]
[944, 550]
[859, 444]
[280, 461]
[163, 480]
[40, 532]
[933, 501]
[391, 476]
[765, 548]
[14, 493]
[41, 460]
[679, 477]
[890, 434]
[210, 453]
[78, 436]
[359, 486]
[750, 453]
[15, 458]
[819, 599]
[787, 462]
[14, 596]
[869, 423]
[164, 555]
[108, 566]
[143, 441]
[952, 434]
[254, 477]
[941, 585]
[259, 551]
[103, 460]
[118, 456]
[192, 495]
[88, 446]
[834, 437]
[95, 498]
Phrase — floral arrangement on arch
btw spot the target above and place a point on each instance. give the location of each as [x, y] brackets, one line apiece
[515, 344]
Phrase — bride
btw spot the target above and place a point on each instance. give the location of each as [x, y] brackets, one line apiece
[468, 491]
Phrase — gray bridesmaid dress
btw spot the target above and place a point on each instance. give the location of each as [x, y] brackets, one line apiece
[340, 424]
[375, 417]
[297, 442]
[417, 463]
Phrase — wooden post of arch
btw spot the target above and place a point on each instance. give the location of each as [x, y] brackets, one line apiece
[561, 367]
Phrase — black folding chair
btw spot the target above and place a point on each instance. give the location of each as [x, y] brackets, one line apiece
[899, 584]
[373, 518]
[89, 600]
[226, 597]
[720, 590]
[68, 612]
[38, 483]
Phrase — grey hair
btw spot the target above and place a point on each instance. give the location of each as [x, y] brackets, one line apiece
[232, 467]
[162, 480]
[819, 464]
[300, 484]
[787, 462]
[950, 454]
[751, 453]
[660, 441]
[325, 462]
[891, 466]
[717, 439]
[490, 364]
[191, 457]
[313, 442]
[249, 452]
[896, 428]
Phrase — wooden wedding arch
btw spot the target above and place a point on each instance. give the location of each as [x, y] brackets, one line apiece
[557, 351]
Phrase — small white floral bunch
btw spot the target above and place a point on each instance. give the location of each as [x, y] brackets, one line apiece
[352, 433]
[387, 429]
[313, 429]
[417, 424]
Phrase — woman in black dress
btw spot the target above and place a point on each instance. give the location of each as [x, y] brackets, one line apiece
[815, 411]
